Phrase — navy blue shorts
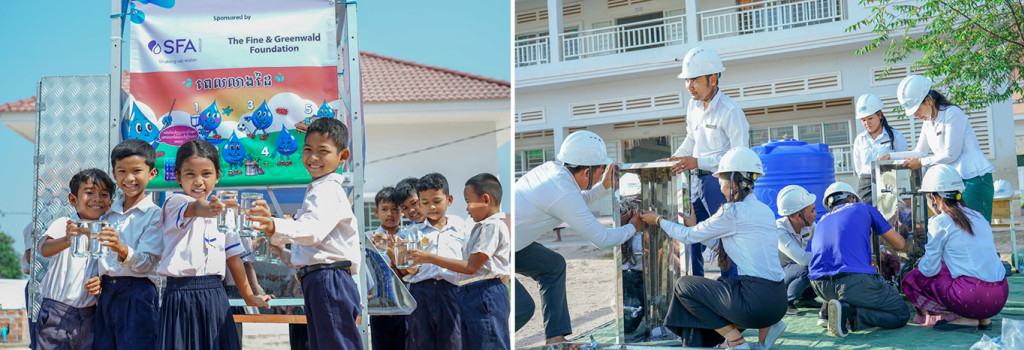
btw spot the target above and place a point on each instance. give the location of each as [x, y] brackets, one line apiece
[61, 326]
[332, 305]
[126, 314]
[485, 307]
[437, 321]
[387, 332]
[195, 315]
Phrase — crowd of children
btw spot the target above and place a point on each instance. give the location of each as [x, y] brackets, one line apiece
[111, 301]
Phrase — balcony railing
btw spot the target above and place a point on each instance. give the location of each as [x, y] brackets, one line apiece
[531, 51]
[625, 37]
[843, 158]
[767, 16]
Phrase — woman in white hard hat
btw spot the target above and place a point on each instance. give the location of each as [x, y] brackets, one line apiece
[959, 283]
[794, 229]
[877, 140]
[948, 134]
[705, 312]
[841, 271]
[544, 198]
[714, 125]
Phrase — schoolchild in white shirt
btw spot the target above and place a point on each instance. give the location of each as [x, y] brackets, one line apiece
[324, 240]
[436, 323]
[387, 331]
[66, 315]
[126, 313]
[483, 298]
[195, 312]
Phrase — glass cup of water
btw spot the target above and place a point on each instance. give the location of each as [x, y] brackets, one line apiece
[247, 201]
[223, 218]
[96, 248]
[80, 242]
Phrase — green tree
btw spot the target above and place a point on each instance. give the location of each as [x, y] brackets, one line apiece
[972, 49]
[10, 261]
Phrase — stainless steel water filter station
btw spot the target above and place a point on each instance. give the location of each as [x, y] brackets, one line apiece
[894, 189]
[649, 263]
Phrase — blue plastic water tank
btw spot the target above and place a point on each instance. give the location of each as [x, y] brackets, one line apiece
[793, 162]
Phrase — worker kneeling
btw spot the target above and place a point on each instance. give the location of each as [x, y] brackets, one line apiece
[705, 312]
[841, 271]
[960, 282]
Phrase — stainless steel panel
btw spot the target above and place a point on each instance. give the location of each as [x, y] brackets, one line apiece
[895, 195]
[72, 133]
[650, 262]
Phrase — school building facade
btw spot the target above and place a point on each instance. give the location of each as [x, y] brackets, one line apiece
[789, 64]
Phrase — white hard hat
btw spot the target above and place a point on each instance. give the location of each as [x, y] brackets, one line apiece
[793, 199]
[1003, 189]
[941, 178]
[867, 105]
[740, 159]
[912, 91]
[701, 61]
[837, 188]
[583, 148]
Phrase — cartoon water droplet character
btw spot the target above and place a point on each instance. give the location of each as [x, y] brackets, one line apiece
[233, 153]
[261, 120]
[286, 146]
[325, 111]
[210, 120]
[139, 127]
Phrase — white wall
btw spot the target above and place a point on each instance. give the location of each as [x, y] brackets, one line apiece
[389, 134]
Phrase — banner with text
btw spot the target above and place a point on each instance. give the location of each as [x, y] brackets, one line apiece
[245, 75]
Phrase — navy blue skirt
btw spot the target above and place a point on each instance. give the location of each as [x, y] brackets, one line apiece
[195, 315]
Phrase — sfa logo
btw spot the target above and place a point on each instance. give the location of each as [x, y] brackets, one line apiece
[175, 46]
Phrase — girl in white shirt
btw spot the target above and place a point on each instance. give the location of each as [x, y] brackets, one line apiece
[195, 312]
[877, 140]
[948, 134]
[705, 312]
[959, 283]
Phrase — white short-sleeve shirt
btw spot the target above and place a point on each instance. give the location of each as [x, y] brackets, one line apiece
[490, 237]
[192, 246]
[64, 280]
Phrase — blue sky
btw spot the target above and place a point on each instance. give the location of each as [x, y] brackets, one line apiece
[44, 38]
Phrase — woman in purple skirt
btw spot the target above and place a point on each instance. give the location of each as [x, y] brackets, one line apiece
[960, 283]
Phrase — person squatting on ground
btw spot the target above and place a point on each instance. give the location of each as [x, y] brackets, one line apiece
[795, 228]
[841, 272]
[960, 283]
[707, 312]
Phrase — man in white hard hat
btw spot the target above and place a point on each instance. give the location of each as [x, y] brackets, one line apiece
[841, 271]
[795, 227]
[552, 193]
[947, 135]
[714, 125]
[877, 140]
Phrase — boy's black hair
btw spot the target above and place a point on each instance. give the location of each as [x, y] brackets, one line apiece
[404, 189]
[332, 128]
[385, 194]
[486, 183]
[433, 181]
[199, 148]
[133, 147]
[93, 175]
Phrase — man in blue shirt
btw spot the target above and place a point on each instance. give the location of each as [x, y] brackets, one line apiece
[841, 270]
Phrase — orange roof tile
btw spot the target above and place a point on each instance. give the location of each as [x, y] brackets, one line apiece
[25, 105]
[387, 79]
